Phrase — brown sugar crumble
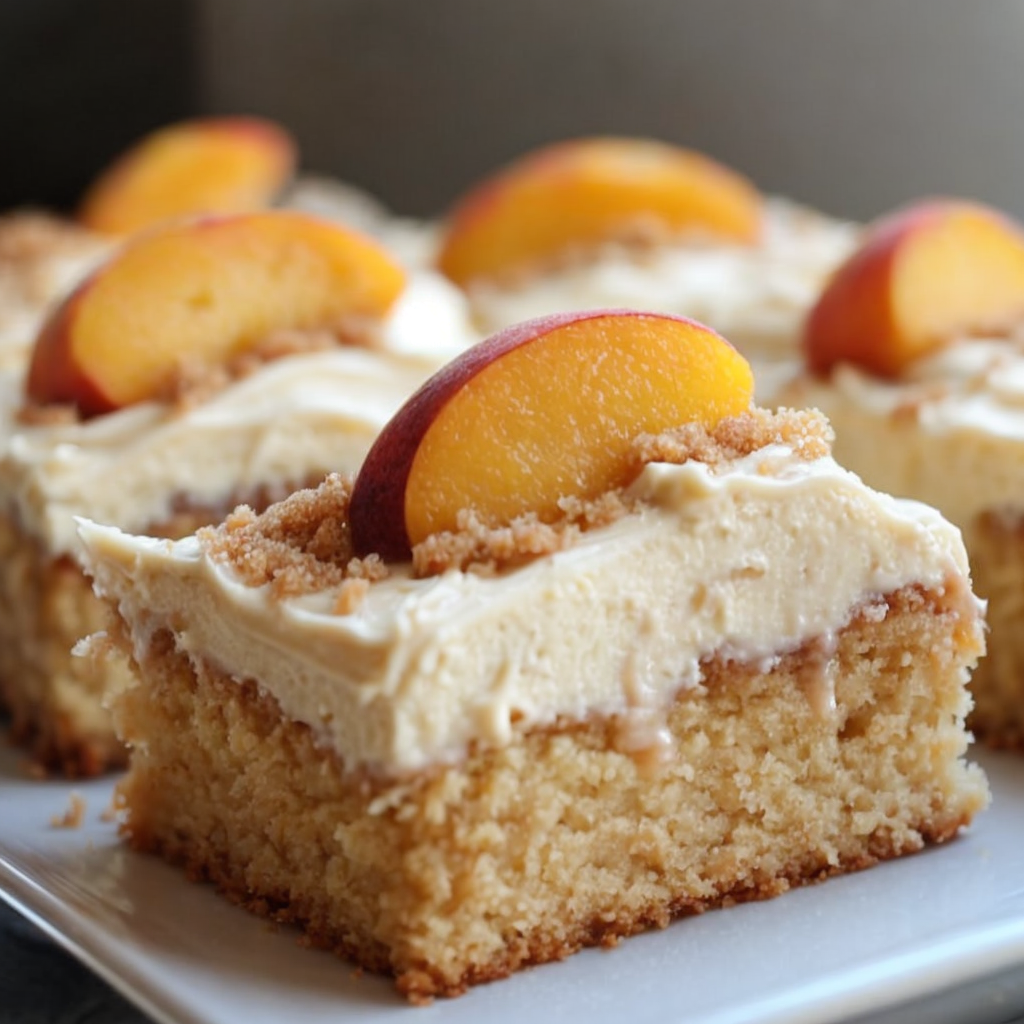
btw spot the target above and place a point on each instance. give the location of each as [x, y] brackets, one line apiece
[806, 432]
[486, 550]
[303, 544]
[299, 546]
[195, 381]
[32, 414]
[27, 236]
[477, 547]
[642, 236]
[73, 816]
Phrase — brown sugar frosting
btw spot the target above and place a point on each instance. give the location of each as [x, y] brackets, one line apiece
[766, 551]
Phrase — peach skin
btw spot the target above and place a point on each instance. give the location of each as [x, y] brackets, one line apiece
[583, 192]
[216, 165]
[922, 276]
[543, 410]
[201, 292]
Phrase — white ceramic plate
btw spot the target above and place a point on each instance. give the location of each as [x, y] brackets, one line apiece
[946, 927]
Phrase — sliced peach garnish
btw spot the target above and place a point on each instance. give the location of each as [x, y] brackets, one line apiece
[538, 412]
[578, 194]
[924, 275]
[200, 293]
[216, 165]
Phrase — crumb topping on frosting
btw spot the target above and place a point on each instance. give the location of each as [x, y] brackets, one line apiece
[196, 381]
[31, 414]
[303, 544]
[806, 432]
[641, 237]
[300, 545]
[484, 549]
[31, 235]
[480, 548]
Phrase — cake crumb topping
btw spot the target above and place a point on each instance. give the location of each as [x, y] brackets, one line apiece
[196, 381]
[74, 816]
[640, 238]
[32, 414]
[28, 236]
[299, 546]
[806, 432]
[480, 548]
[484, 549]
[303, 544]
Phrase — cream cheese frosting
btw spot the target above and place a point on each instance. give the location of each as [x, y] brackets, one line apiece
[755, 295]
[430, 320]
[746, 562]
[294, 417]
[949, 431]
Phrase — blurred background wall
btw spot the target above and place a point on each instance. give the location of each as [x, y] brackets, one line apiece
[852, 106]
[80, 78]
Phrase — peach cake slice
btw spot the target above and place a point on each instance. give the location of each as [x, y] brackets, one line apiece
[209, 362]
[590, 643]
[915, 351]
[633, 222]
[214, 165]
[42, 257]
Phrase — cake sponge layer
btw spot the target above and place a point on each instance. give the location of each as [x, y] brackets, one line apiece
[55, 699]
[996, 544]
[526, 852]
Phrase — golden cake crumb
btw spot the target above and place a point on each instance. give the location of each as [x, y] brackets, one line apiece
[805, 431]
[303, 544]
[480, 548]
[32, 414]
[27, 236]
[484, 549]
[73, 816]
[299, 546]
[763, 794]
[196, 381]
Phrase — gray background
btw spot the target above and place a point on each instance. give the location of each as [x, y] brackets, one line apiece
[852, 105]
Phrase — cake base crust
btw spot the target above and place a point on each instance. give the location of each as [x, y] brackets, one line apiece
[996, 546]
[831, 759]
[55, 699]
[957, 472]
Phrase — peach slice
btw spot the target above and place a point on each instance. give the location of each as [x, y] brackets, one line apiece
[923, 275]
[217, 165]
[202, 292]
[540, 411]
[581, 193]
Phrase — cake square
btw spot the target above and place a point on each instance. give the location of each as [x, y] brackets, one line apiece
[925, 394]
[736, 671]
[296, 400]
[641, 224]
